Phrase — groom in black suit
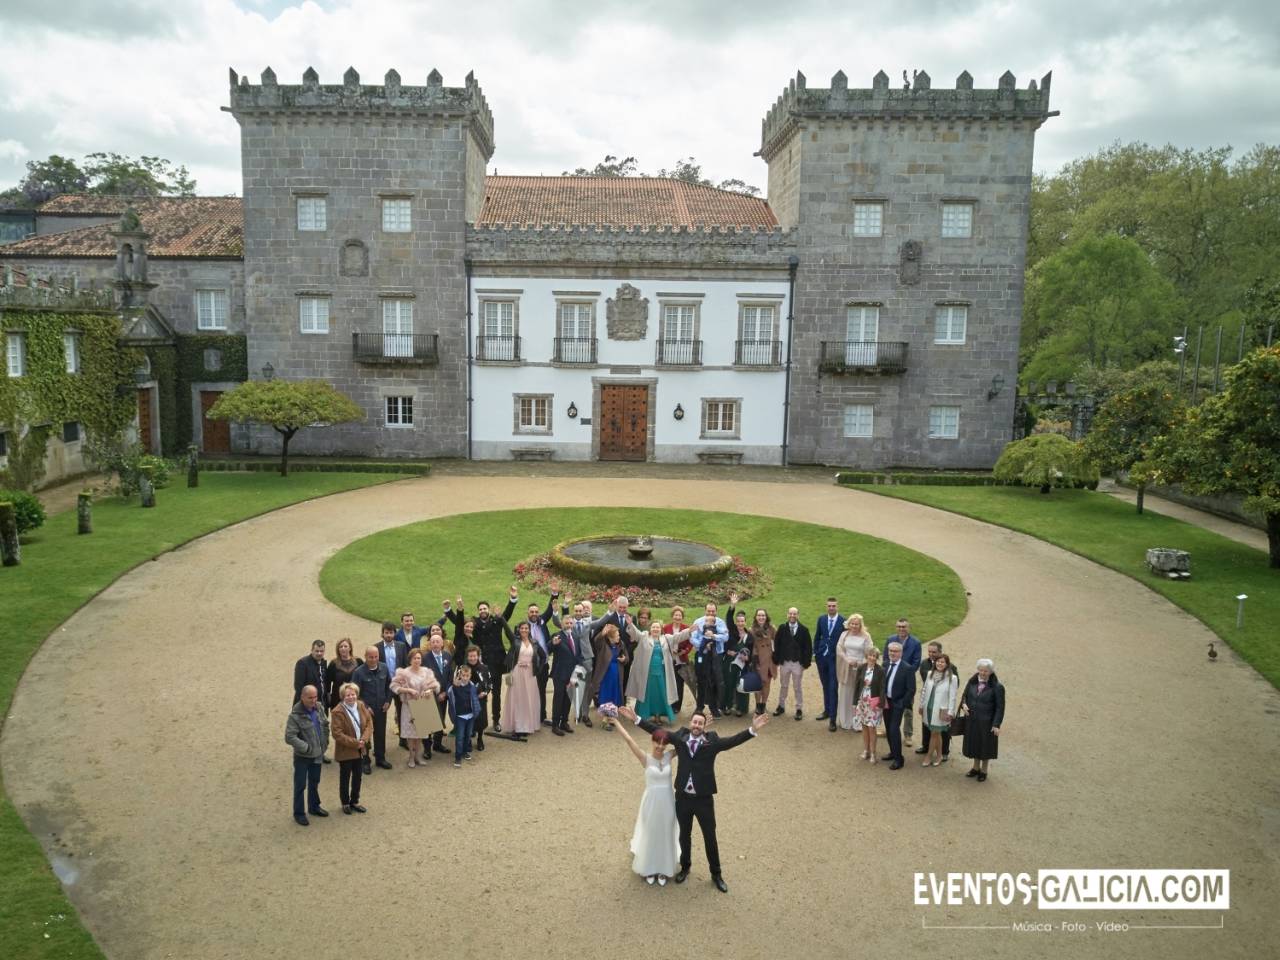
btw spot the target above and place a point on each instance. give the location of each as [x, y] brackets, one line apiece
[697, 750]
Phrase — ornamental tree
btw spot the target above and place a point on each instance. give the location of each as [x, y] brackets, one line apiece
[1231, 442]
[1046, 460]
[1143, 406]
[286, 406]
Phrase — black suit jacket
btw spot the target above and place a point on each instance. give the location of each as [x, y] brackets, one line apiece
[701, 765]
[444, 676]
[402, 656]
[799, 648]
[565, 655]
[309, 670]
[903, 690]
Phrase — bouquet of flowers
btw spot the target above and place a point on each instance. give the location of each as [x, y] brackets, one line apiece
[609, 711]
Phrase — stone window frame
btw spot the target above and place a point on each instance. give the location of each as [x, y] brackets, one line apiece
[693, 300]
[955, 203]
[72, 431]
[15, 353]
[309, 296]
[226, 307]
[395, 198]
[400, 401]
[951, 306]
[485, 297]
[938, 434]
[735, 433]
[71, 351]
[871, 421]
[747, 301]
[518, 428]
[868, 201]
[299, 196]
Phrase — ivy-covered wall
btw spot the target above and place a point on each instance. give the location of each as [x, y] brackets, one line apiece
[100, 396]
[191, 368]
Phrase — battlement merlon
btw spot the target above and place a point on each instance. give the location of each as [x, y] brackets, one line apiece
[391, 98]
[918, 101]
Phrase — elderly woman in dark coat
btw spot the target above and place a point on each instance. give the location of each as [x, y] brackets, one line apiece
[984, 700]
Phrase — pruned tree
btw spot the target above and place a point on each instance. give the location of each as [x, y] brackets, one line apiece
[1046, 460]
[286, 406]
[1230, 443]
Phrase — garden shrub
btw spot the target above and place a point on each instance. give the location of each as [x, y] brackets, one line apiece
[1046, 461]
[27, 508]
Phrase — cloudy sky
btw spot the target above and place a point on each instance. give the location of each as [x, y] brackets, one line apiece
[570, 81]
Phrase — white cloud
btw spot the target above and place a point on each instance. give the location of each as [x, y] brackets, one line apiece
[569, 82]
[13, 150]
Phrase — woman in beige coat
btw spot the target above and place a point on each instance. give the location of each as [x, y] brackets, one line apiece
[851, 657]
[351, 724]
[653, 676]
[762, 634]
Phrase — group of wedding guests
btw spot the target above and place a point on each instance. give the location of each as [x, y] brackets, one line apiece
[493, 674]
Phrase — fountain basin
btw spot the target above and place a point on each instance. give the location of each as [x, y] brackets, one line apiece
[611, 560]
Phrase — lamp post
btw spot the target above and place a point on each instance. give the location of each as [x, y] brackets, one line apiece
[268, 372]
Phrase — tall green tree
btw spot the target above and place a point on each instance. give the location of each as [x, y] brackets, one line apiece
[100, 174]
[286, 406]
[1231, 442]
[1143, 406]
[1098, 300]
[687, 169]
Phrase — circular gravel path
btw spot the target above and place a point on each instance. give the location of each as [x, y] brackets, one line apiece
[144, 750]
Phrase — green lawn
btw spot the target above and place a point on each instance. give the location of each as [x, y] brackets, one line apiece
[1112, 533]
[473, 554]
[60, 571]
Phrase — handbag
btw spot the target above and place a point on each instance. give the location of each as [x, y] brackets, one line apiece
[959, 723]
[750, 682]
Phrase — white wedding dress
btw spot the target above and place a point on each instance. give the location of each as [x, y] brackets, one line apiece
[656, 841]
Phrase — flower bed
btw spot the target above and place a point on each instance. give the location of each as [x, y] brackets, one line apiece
[536, 575]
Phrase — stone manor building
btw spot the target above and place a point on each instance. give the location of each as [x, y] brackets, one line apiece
[866, 313]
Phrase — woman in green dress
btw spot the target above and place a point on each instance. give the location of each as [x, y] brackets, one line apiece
[653, 678]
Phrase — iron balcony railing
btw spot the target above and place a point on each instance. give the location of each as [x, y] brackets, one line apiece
[419, 348]
[863, 356]
[498, 348]
[575, 350]
[680, 353]
[757, 353]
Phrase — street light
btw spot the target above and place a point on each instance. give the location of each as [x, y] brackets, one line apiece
[268, 372]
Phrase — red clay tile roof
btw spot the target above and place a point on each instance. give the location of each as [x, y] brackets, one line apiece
[618, 202]
[179, 227]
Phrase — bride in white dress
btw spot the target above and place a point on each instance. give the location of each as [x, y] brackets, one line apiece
[655, 844]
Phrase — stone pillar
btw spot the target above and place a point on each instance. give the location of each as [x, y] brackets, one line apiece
[84, 512]
[10, 552]
[193, 465]
[147, 491]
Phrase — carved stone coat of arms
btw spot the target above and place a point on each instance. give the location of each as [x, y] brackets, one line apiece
[627, 314]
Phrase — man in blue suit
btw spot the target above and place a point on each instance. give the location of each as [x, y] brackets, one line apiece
[825, 636]
[911, 653]
[899, 694]
[441, 664]
[410, 635]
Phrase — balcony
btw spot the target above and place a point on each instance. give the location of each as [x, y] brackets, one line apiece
[412, 349]
[574, 350]
[679, 353]
[757, 353]
[498, 349]
[863, 356]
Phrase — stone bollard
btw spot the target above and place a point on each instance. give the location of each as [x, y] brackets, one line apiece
[193, 465]
[147, 490]
[10, 552]
[84, 512]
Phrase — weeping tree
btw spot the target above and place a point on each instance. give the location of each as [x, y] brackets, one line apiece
[1046, 460]
[286, 406]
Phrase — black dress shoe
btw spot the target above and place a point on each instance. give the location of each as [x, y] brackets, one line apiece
[780, 711]
[982, 777]
[383, 765]
[799, 714]
[301, 820]
[367, 769]
[479, 744]
[720, 884]
[567, 729]
[346, 808]
[972, 773]
[682, 876]
[497, 728]
[358, 808]
[823, 716]
[319, 812]
[922, 749]
[587, 721]
[557, 731]
[896, 765]
[831, 725]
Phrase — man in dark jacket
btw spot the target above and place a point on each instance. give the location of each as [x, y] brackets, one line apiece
[309, 671]
[565, 657]
[375, 690]
[487, 636]
[792, 652]
[900, 695]
[307, 731]
[441, 665]
[394, 655]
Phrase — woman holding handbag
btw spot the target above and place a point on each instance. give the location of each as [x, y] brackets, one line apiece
[984, 699]
[938, 705]
[867, 708]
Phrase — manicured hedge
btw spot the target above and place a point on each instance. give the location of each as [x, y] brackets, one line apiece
[304, 466]
[916, 478]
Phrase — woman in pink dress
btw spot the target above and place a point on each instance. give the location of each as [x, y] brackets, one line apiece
[413, 682]
[520, 705]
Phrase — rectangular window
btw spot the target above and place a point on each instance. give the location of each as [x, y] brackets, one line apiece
[862, 334]
[399, 411]
[720, 418]
[395, 216]
[397, 328]
[71, 351]
[533, 414]
[868, 219]
[499, 318]
[313, 314]
[858, 420]
[70, 431]
[679, 334]
[944, 423]
[756, 332]
[949, 323]
[957, 219]
[677, 321]
[16, 354]
[577, 327]
[313, 213]
[211, 309]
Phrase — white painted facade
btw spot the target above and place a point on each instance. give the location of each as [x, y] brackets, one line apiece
[756, 387]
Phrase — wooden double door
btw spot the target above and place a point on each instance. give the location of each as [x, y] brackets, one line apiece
[624, 421]
[215, 434]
